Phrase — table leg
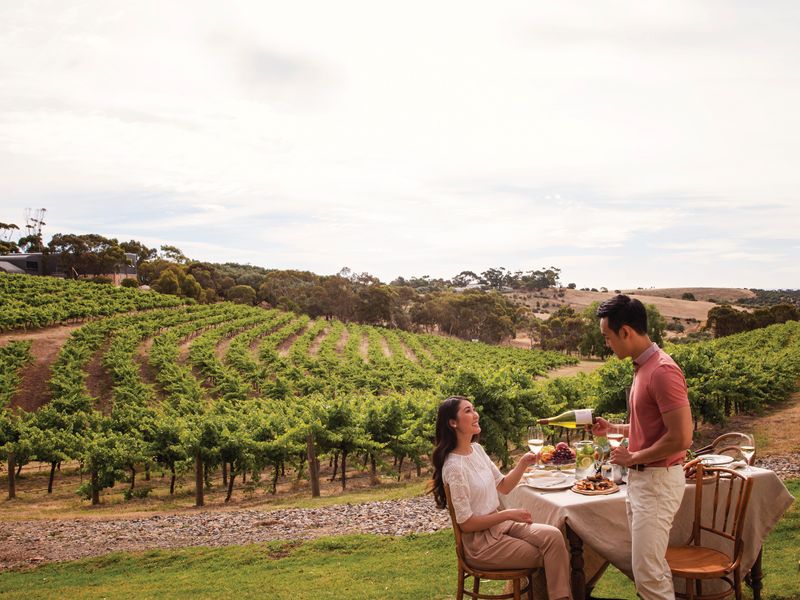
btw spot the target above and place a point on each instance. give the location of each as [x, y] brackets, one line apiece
[593, 581]
[754, 577]
[577, 576]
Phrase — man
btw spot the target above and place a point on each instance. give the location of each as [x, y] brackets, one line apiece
[659, 432]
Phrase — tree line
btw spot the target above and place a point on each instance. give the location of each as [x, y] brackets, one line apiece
[572, 332]
[765, 298]
[726, 320]
[469, 306]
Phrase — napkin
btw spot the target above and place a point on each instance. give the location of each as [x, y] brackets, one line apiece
[546, 475]
[546, 479]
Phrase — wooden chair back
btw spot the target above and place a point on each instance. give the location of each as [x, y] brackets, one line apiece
[732, 438]
[456, 528]
[725, 443]
[720, 507]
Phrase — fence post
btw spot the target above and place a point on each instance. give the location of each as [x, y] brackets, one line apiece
[313, 465]
[199, 499]
[12, 474]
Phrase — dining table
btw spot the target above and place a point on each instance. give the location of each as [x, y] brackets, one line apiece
[597, 531]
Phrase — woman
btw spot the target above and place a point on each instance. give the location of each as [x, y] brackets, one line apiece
[493, 539]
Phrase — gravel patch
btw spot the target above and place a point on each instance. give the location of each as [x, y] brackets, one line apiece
[785, 467]
[29, 543]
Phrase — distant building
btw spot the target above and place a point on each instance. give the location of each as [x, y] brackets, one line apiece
[34, 263]
[37, 263]
[472, 285]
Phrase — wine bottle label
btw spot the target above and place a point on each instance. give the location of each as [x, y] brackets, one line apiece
[583, 416]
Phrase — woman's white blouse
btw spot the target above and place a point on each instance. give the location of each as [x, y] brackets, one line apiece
[473, 483]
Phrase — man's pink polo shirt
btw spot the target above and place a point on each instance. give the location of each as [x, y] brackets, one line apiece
[658, 387]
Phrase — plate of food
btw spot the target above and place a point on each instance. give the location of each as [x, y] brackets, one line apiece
[690, 468]
[595, 485]
[549, 480]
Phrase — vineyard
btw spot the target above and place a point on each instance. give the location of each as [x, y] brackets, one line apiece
[31, 302]
[232, 390]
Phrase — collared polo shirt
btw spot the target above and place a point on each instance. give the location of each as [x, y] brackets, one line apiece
[658, 387]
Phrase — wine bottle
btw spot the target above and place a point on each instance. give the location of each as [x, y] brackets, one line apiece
[571, 418]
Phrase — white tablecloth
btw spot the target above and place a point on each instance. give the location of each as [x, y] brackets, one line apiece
[602, 523]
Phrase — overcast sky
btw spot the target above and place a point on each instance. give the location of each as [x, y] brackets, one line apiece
[628, 143]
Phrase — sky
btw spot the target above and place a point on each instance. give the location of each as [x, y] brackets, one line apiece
[630, 144]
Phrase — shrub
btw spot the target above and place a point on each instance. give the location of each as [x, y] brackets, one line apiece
[129, 283]
[676, 326]
[105, 280]
[85, 491]
[688, 296]
[695, 336]
[141, 492]
[242, 294]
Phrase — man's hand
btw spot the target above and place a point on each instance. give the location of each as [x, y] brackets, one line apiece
[623, 456]
[601, 426]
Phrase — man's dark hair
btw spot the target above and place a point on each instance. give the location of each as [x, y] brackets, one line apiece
[622, 310]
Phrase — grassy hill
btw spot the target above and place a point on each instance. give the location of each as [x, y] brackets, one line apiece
[707, 294]
[691, 314]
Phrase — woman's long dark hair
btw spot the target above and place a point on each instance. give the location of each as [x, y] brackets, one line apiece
[445, 443]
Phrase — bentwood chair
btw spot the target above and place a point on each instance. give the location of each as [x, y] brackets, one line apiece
[734, 452]
[516, 576]
[720, 508]
[724, 443]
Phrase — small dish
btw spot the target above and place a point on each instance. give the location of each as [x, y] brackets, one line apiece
[715, 460]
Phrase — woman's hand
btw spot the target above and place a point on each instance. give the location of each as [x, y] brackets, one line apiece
[480, 523]
[509, 482]
[520, 515]
[528, 459]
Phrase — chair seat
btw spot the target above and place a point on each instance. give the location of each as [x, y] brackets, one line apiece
[697, 562]
[508, 574]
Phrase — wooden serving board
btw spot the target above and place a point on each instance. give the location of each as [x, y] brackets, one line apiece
[612, 490]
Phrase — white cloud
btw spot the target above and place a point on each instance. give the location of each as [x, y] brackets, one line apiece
[415, 138]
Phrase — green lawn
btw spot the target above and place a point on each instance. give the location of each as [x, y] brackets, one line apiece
[335, 568]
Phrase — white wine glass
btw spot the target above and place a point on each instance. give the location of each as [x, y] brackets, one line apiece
[536, 440]
[748, 448]
[615, 434]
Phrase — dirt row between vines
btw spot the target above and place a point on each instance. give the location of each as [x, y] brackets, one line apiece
[34, 390]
